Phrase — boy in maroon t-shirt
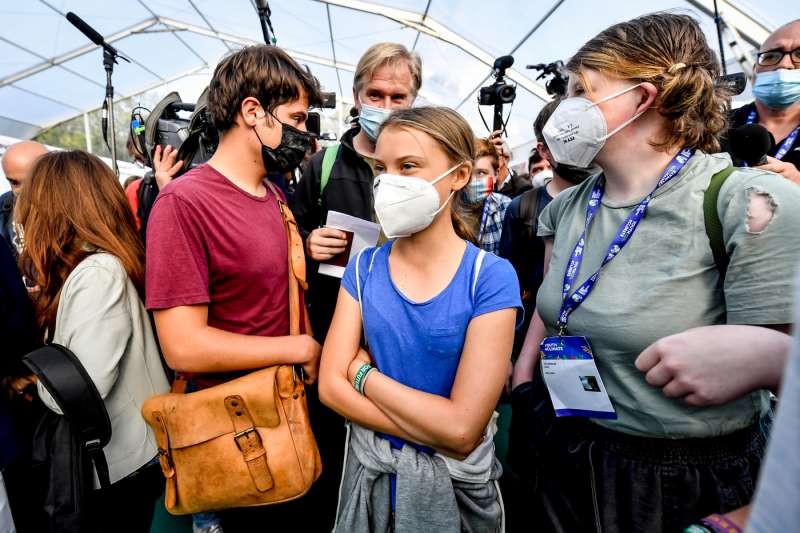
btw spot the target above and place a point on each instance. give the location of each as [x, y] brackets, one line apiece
[217, 274]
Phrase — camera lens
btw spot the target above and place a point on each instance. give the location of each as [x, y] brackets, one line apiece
[506, 93]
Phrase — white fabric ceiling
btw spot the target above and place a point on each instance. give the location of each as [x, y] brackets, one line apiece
[50, 72]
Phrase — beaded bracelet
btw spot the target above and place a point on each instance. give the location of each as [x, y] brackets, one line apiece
[362, 371]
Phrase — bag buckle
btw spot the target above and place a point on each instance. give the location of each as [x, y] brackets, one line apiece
[165, 459]
[243, 433]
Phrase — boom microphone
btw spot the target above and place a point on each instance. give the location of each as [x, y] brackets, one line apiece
[90, 32]
[751, 143]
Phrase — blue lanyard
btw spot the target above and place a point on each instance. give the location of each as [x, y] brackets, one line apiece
[571, 302]
[787, 144]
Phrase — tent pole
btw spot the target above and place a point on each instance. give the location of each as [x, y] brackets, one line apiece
[87, 132]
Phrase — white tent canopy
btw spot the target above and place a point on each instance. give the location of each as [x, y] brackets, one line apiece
[50, 72]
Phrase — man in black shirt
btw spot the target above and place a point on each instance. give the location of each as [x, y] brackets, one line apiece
[18, 415]
[777, 103]
[387, 77]
[520, 245]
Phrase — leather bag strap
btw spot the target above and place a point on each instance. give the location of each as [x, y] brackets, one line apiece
[165, 458]
[249, 442]
[296, 261]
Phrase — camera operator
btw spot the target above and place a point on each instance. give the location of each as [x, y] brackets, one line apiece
[509, 182]
[777, 100]
[165, 167]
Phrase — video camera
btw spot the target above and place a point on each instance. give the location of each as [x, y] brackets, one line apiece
[500, 92]
[557, 85]
[313, 124]
[189, 128]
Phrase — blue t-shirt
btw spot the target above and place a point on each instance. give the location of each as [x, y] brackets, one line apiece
[419, 344]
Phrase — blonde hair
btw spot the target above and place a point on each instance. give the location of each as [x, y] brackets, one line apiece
[382, 54]
[670, 51]
[454, 136]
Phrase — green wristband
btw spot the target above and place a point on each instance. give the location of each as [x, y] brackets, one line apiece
[362, 371]
[364, 380]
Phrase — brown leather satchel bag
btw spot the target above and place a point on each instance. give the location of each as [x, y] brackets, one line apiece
[247, 442]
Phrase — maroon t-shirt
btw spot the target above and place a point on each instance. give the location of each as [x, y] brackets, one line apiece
[210, 242]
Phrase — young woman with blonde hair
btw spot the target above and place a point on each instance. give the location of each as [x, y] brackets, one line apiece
[438, 316]
[634, 259]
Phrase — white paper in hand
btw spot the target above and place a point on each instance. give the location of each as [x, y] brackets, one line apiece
[364, 234]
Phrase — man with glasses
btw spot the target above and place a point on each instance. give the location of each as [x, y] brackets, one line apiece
[17, 163]
[777, 103]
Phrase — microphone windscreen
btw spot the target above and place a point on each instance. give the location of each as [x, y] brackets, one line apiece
[87, 30]
[751, 143]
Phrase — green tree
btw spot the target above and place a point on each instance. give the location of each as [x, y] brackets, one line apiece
[71, 133]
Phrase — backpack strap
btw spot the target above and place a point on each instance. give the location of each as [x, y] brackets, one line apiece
[713, 223]
[328, 159]
[358, 284]
[529, 210]
[476, 273]
[65, 378]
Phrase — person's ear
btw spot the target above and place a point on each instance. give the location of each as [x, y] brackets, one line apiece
[356, 100]
[648, 97]
[253, 113]
[463, 174]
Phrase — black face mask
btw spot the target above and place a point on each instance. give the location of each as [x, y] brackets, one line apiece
[288, 155]
[574, 175]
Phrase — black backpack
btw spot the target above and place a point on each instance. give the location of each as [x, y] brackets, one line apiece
[68, 449]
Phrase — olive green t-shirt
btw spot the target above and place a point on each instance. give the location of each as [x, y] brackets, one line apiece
[665, 281]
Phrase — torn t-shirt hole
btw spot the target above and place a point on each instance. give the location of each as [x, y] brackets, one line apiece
[760, 210]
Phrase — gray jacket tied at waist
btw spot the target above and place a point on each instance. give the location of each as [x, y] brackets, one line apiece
[434, 492]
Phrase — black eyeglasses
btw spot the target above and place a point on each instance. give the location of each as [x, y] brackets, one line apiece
[773, 57]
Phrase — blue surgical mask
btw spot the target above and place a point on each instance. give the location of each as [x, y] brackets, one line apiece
[778, 88]
[370, 119]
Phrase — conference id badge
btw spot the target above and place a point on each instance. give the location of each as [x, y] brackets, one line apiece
[572, 378]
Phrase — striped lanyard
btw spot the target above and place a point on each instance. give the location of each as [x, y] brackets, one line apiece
[571, 302]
